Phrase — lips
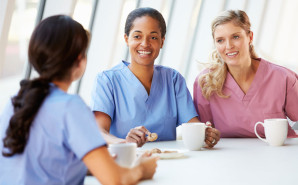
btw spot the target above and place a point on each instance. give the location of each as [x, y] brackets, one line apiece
[143, 52]
[231, 54]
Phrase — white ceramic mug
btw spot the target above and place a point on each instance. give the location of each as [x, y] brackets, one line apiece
[276, 131]
[193, 135]
[125, 153]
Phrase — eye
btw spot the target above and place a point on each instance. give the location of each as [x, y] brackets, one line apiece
[236, 37]
[219, 40]
[154, 38]
[136, 37]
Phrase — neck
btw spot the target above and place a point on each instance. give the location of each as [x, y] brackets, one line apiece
[244, 75]
[143, 73]
[245, 71]
[64, 86]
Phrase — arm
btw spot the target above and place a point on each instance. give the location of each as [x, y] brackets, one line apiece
[104, 168]
[104, 123]
[291, 107]
[135, 135]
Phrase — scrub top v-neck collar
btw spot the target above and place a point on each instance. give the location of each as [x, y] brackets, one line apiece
[139, 85]
[254, 87]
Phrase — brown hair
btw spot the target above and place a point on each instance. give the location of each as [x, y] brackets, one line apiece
[54, 48]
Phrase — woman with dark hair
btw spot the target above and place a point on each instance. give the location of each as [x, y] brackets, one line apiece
[240, 89]
[134, 99]
[48, 134]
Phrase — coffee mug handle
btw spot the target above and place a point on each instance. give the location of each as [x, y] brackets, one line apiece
[257, 132]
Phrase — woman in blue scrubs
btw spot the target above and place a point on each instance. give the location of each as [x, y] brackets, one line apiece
[133, 99]
[49, 136]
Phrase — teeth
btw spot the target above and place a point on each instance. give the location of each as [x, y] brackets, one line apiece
[231, 54]
[144, 52]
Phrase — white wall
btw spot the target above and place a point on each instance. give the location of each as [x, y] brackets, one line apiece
[188, 38]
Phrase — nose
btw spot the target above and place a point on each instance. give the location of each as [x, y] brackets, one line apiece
[145, 42]
[229, 44]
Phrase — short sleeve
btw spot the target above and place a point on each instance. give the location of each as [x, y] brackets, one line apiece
[102, 95]
[291, 106]
[186, 110]
[202, 105]
[81, 132]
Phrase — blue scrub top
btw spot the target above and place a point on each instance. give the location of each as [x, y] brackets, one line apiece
[118, 93]
[63, 132]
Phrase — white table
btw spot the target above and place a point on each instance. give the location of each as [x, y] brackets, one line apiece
[232, 161]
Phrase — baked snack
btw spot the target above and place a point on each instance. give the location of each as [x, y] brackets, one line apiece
[158, 151]
[152, 137]
[155, 151]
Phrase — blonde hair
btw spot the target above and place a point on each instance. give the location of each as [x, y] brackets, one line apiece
[214, 79]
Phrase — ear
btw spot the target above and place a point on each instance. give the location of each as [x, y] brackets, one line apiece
[81, 58]
[126, 39]
[162, 42]
[251, 36]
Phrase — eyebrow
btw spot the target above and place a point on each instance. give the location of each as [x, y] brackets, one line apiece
[150, 32]
[231, 34]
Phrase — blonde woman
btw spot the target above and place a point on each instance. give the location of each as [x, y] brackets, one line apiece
[240, 89]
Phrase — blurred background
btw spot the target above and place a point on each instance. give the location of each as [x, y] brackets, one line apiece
[188, 39]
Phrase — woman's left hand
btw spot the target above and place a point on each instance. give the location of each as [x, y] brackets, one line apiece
[212, 136]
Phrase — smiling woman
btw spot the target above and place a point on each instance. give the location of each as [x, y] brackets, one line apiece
[134, 99]
[240, 89]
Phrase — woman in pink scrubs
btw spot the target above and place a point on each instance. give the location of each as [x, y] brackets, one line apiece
[240, 89]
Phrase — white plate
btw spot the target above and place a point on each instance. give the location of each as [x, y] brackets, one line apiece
[174, 155]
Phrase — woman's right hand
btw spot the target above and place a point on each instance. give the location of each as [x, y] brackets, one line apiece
[137, 135]
[148, 165]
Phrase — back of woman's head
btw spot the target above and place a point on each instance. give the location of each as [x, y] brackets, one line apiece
[140, 12]
[54, 49]
[55, 46]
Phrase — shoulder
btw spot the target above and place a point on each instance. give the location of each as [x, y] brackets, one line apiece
[113, 72]
[202, 72]
[279, 71]
[169, 72]
[62, 100]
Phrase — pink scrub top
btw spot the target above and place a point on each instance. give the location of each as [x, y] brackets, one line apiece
[272, 94]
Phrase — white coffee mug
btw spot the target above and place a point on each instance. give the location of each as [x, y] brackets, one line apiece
[276, 131]
[193, 135]
[125, 153]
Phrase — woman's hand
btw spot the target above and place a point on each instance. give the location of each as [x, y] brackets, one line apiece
[148, 165]
[137, 135]
[212, 136]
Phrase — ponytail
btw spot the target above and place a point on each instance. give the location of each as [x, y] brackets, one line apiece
[26, 105]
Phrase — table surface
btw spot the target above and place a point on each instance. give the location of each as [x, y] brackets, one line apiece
[233, 161]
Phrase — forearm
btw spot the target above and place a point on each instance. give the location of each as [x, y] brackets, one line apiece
[111, 139]
[131, 176]
[104, 123]
[194, 119]
[104, 168]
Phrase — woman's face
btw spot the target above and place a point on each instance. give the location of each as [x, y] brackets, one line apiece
[144, 41]
[232, 43]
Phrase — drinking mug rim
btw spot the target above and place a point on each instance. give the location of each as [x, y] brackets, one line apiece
[276, 119]
[193, 123]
